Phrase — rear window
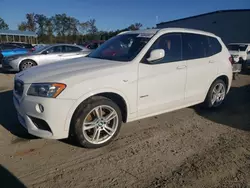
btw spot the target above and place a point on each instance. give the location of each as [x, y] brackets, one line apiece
[237, 47]
[27, 46]
[195, 46]
[214, 46]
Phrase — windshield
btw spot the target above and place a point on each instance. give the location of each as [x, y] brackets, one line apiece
[236, 47]
[122, 47]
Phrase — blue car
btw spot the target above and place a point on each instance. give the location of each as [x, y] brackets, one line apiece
[7, 50]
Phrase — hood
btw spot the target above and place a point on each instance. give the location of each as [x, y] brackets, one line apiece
[69, 71]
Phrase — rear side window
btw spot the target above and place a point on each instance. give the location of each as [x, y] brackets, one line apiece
[27, 46]
[72, 49]
[214, 46]
[195, 46]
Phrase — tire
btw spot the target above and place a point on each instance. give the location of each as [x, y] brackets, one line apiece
[85, 116]
[210, 101]
[26, 64]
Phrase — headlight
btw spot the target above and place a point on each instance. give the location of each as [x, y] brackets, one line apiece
[51, 90]
[12, 58]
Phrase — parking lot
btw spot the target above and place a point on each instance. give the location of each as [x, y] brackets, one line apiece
[192, 147]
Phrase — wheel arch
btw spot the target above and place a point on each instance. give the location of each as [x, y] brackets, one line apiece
[115, 96]
[223, 77]
[26, 60]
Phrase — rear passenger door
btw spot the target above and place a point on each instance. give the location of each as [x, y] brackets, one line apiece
[70, 52]
[201, 69]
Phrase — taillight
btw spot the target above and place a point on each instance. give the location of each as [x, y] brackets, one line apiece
[231, 60]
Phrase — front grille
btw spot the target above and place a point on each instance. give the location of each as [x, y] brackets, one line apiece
[18, 87]
[6, 66]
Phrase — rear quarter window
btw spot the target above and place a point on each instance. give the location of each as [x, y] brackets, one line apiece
[214, 46]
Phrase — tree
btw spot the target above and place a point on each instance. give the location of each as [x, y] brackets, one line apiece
[84, 27]
[135, 26]
[60, 22]
[31, 23]
[92, 27]
[73, 24]
[22, 26]
[41, 21]
[3, 25]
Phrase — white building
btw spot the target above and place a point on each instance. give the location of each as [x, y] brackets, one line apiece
[230, 25]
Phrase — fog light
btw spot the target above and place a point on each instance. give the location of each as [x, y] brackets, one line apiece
[39, 108]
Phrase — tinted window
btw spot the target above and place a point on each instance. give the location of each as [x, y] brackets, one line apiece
[195, 46]
[22, 45]
[27, 46]
[8, 46]
[171, 44]
[214, 46]
[72, 49]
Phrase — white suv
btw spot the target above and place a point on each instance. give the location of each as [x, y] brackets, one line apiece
[240, 52]
[134, 75]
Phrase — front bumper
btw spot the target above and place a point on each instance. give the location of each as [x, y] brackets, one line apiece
[54, 114]
[10, 65]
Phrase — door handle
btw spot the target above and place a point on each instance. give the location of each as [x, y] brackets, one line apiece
[60, 55]
[181, 67]
[211, 61]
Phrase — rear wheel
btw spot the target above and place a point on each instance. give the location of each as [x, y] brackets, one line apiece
[97, 122]
[216, 94]
[26, 64]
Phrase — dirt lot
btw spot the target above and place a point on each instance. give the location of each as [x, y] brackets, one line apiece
[191, 147]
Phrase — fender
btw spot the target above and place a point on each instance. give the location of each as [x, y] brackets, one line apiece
[88, 95]
[219, 75]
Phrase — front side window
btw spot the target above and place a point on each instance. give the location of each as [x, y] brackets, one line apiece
[171, 44]
[121, 47]
[56, 49]
[195, 46]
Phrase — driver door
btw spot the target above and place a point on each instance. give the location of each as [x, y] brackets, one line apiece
[161, 84]
[51, 55]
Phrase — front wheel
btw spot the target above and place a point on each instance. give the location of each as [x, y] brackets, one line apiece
[97, 122]
[26, 64]
[216, 94]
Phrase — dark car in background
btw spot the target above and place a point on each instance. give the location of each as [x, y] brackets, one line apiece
[93, 44]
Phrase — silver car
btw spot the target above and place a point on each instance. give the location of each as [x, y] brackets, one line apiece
[44, 55]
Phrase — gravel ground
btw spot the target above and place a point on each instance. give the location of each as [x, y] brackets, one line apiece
[191, 147]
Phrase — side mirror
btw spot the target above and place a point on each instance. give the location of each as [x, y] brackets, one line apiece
[156, 55]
